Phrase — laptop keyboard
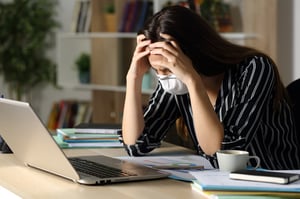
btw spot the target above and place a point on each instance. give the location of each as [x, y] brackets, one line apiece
[96, 169]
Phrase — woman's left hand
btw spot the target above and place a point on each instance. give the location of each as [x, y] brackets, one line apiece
[174, 59]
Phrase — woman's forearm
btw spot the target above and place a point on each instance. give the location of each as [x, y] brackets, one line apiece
[209, 129]
[133, 119]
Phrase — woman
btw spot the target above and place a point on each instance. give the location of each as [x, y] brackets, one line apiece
[229, 96]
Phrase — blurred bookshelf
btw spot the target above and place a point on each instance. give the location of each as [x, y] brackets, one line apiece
[111, 48]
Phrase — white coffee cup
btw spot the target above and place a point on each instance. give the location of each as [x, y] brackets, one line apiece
[233, 160]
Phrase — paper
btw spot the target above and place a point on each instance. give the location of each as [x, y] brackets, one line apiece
[96, 144]
[4, 193]
[178, 174]
[98, 128]
[218, 180]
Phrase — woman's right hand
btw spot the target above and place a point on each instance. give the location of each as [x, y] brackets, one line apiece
[133, 119]
[139, 63]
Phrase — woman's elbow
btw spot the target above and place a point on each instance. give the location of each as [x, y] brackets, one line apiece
[211, 150]
[212, 146]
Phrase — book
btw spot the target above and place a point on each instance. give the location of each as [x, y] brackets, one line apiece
[134, 15]
[68, 113]
[265, 176]
[95, 144]
[98, 128]
[87, 25]
[69, 134]
[130, 16]
[81, 112]
[71, 113]
[242, 194]
[52, 119]
[125, 14]
[80, 16]
[75, 15]
[95, 137]
[215, 180]
[65, 145]
[142, 15]
[88, 114]
[63, 109]
[85, 15]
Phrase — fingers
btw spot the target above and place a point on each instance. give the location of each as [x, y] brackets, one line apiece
[142, 45]
[170, 51]
[141, 51]
[168, 46]
[165, 49]
[140, 38]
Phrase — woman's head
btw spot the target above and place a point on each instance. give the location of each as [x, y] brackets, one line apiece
[209, 52]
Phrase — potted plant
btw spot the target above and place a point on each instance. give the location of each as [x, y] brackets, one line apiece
[110, 17]
[83, 64]
[26, 33]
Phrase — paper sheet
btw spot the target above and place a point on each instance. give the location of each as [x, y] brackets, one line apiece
[4, 193]
[192, 160]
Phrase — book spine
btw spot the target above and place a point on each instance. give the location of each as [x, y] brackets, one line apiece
[68, 113]
[75, 16]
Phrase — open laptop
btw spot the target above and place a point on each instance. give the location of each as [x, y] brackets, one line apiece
[33, 145]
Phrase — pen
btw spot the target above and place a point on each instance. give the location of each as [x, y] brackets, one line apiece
[182, 167]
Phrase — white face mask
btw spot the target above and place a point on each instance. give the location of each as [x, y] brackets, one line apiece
[172, 85]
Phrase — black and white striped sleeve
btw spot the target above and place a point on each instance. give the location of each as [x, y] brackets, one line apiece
[159, 116]
[249, 98]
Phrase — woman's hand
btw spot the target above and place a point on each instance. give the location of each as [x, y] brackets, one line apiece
[139, 63]
[133, 118]
[174, 59]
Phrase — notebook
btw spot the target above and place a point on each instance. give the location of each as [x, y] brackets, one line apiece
[33, 145]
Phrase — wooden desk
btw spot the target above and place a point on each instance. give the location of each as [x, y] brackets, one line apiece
[30, 183]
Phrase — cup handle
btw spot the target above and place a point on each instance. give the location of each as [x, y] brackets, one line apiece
[257, 161]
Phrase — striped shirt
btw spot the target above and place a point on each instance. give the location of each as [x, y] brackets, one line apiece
[244, 106]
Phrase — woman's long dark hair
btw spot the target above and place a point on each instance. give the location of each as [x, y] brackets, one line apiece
[210, 53]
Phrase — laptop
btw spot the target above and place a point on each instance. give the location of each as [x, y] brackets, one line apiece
[33, 145]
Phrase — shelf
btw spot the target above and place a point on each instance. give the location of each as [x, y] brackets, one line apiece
[102, 88]
[93, 35]
[72, 44]
[229, 35]
[238, 35]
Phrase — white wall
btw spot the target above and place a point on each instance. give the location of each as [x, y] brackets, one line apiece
[296, 47]
[289, 40]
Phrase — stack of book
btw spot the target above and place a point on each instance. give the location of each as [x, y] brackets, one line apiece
[86, 135]
[218, 185]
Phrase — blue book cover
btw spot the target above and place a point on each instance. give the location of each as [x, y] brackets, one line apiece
[219, 181]
[71, 134]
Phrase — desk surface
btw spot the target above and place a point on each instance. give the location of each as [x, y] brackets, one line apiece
[31, 183]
